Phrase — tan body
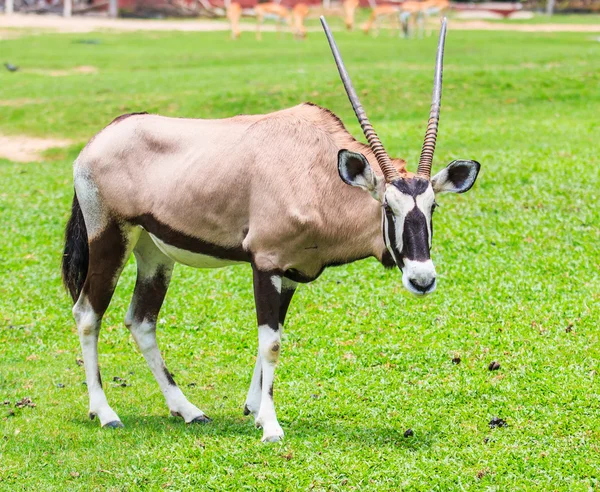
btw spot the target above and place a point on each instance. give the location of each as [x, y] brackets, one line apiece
[266, 183]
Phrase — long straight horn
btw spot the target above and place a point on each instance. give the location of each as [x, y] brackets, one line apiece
[385, 163]
[426, 159]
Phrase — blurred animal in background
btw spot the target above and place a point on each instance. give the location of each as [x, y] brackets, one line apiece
[350, 7]
[411, 16]
[299, 13]
[279, 12]
[234, 12]
[380, 12]
[293, 18]
[415, 14]
[10, 67]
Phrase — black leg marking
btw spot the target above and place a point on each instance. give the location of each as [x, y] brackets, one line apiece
[415, 237]
[99, 378]
[107, 258]
[285, 300]
[169, 377]
[266, 298]
[268, 287]
[149, 294]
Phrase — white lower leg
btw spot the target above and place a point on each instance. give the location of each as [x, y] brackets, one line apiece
[269, 344]
[254, 392]
[88, 327]
[144, 334]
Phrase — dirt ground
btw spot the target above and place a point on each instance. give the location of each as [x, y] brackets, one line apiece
[89, 24]
[21, 148]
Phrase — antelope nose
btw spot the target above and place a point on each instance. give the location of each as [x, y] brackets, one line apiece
[422, 285]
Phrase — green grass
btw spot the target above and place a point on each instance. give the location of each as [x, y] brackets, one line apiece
[362, 359]
[540, 18]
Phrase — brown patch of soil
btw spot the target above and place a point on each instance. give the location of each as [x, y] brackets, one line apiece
[15, 103]
[85, 69]
[22, 148]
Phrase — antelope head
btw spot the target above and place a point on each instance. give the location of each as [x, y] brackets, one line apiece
[407, 199]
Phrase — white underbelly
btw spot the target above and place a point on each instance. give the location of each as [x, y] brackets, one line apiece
[191, 259]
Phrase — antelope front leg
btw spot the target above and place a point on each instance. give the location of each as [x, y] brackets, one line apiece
[252, 406]
[269, 306]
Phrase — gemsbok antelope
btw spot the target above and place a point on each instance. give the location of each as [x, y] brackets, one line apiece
[290, 192]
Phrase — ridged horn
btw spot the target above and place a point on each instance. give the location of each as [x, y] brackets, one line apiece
[385, 163]
[426, 159]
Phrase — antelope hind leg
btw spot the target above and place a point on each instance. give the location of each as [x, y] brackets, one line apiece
[154, 271]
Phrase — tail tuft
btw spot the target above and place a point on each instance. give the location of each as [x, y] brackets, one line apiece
[76, 254]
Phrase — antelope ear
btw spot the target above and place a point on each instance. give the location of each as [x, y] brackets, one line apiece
[456, 177]
[355, 170]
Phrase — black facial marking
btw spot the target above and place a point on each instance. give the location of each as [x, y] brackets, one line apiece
[412, 187]
[387, 261]
[390, 232]
[169, 377]
[415, 237]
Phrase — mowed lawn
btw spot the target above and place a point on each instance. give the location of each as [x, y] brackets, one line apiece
[362, 360]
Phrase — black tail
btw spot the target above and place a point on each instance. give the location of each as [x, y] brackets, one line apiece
[76, 255]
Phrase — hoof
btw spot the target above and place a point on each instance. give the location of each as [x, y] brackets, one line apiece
[273, 438]
[115, 424]
[247, 410]
[202, 419]
[92, 415]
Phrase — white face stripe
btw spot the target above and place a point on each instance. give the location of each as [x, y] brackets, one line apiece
[400, 204]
